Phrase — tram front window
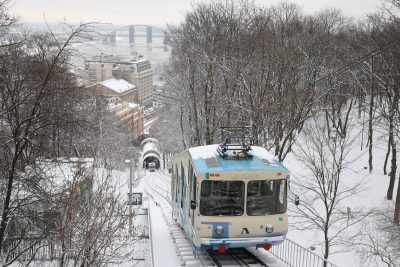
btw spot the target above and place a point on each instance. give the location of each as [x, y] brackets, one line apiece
[222, 198]
[266, 197]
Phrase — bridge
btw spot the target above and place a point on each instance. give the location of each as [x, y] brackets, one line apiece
[111, 37]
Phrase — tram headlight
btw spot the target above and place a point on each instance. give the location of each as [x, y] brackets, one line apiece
[269, 229]
[219, 230]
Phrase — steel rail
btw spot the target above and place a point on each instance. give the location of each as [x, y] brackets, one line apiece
[147, 179]
[155, 191]
[150, 236]
[239, 256]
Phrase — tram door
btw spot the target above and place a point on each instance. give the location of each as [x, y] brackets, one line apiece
[192, 190]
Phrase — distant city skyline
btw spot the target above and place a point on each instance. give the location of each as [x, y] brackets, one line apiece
[154, 12]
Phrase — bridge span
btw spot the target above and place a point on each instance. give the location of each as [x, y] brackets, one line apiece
[111, 37]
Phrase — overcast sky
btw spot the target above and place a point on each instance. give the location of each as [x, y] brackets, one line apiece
[154, 12]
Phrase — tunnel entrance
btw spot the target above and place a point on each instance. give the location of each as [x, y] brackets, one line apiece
[151, 158]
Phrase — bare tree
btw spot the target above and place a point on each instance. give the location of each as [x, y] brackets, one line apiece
[378, 239]
[325, 190]
[28, 75]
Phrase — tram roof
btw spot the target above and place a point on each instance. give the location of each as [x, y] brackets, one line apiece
[206, 159]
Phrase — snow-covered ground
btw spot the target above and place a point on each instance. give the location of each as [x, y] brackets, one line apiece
[372, 196]
[161, 250]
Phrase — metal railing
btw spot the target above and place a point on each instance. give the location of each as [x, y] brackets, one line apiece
[295, 255]
[150, 236]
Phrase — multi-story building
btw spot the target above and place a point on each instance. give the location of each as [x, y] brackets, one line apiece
[121, 97]
[115, 88]
[131, 115]
[137, 71]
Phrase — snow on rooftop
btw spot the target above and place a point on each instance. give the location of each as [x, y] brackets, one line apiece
[133, 105]
[204, 152]
[118, 85]
[262, 153]
[210, 151]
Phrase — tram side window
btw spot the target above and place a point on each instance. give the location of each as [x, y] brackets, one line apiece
[176, 184]
[194, 187]
[173, 181]
[266, 197]
[222, 198]
[183, 194]
[190, 182]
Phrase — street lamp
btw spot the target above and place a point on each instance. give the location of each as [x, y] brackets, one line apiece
[131, 174]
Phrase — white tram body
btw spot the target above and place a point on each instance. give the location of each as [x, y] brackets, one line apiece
[229, 202]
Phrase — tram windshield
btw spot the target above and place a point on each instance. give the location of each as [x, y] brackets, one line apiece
[266, 197]
[222, 198]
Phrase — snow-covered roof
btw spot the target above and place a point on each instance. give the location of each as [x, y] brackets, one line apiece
[133, 105]
[210, 151]
[147, 140]
[204, 152]
[151, 155]
[261, 160]
[262, 153]
[119, 86]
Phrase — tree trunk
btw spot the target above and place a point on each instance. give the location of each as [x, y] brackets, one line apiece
[181, 125]
[393, 169]
[7, 199]
[370, 132]
[396, 219]
[371, 113]
[326, 254]
[386, 157]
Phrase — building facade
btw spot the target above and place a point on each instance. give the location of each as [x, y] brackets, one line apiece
[121, 97]
[137, 71]
[115, 88]
[129, 114]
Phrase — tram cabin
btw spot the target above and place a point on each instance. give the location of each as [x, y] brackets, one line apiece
[152, 166]
[229, 201]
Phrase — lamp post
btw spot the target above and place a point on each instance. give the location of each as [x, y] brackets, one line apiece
[131, 174]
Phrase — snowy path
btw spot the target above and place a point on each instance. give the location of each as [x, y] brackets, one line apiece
[163, 246]
[164, 253]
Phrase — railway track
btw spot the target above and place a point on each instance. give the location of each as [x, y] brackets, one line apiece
[159, 182]
[152, 186]
[235, 257]
[165, 181]
[189, 255]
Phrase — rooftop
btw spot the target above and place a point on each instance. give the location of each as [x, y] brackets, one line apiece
[119, 86]
[206, 159]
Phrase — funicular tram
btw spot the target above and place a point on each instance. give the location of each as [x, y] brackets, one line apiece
[230, 195]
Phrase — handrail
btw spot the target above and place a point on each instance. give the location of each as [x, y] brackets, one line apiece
[150, 235]
[294, 255]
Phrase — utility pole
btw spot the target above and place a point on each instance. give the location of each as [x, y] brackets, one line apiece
[131, 171]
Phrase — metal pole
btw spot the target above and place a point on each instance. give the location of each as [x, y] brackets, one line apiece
[130, 196]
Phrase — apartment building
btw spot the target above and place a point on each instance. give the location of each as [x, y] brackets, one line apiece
[121, 97]
[131, 115]
[137, 71]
